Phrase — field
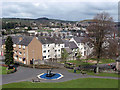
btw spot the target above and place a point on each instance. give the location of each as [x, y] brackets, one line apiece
[78, 83]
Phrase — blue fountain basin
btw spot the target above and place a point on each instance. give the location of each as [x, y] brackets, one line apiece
[55, 77]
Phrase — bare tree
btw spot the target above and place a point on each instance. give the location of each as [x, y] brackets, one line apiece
[100, 33]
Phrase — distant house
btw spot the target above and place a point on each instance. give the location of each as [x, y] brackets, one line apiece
[35, 28]
[17, 28]
[25, 27]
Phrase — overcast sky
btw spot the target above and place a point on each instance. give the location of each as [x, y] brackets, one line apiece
[64, 10]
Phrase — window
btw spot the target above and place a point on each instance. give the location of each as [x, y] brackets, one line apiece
[44, 51]
[84, 47]
[44, 56]
[14, 45]
[55, 50]
[20, 53]
[58, 44]
[15, 57]
[59, 50]
[23, 47]
[15, 52]
[19, 46]
[48, 45]
[44, 46]
[48, 55]
[48, 50]
[20, 58]
[55, 55]
[24, 53]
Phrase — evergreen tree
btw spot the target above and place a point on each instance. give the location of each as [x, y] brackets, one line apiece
[9, 51]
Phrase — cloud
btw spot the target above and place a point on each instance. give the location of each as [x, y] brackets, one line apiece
[72, 10]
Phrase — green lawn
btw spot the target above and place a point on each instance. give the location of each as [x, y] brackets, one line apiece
[104, 61]
[100, 74]
[3, 70]
[78, 83]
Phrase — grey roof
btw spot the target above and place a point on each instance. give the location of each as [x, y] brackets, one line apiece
[49, 40]
[79, 39]
[15, 39]
[68, 50]
[71, 45]
[25, 41]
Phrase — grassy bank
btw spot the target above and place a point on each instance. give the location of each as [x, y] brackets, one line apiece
[78, 83]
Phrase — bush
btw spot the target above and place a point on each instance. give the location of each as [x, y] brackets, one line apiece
[11, 71]
[42, 66]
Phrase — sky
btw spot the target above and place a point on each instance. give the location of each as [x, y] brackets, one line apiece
[72, 10]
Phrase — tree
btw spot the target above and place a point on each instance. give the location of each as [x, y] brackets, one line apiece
[100, 31]
[29, 28]
[64, 55]
[78, 56]
[9, 51]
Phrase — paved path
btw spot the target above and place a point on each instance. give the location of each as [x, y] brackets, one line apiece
[27, 74]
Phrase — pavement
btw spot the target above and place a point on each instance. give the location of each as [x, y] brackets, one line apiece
[27, 74]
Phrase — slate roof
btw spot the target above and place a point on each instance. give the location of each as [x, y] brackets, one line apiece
[79, 39]
[71, 45]
[25, 41]
[49, 40]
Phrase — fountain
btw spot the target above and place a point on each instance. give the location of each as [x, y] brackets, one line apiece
[50, 75]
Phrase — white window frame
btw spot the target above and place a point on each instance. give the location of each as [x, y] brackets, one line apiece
[14, 45]
[23, 47]
[20, 59]
[19, 46]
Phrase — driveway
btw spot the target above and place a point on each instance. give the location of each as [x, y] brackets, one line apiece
[27, 74]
